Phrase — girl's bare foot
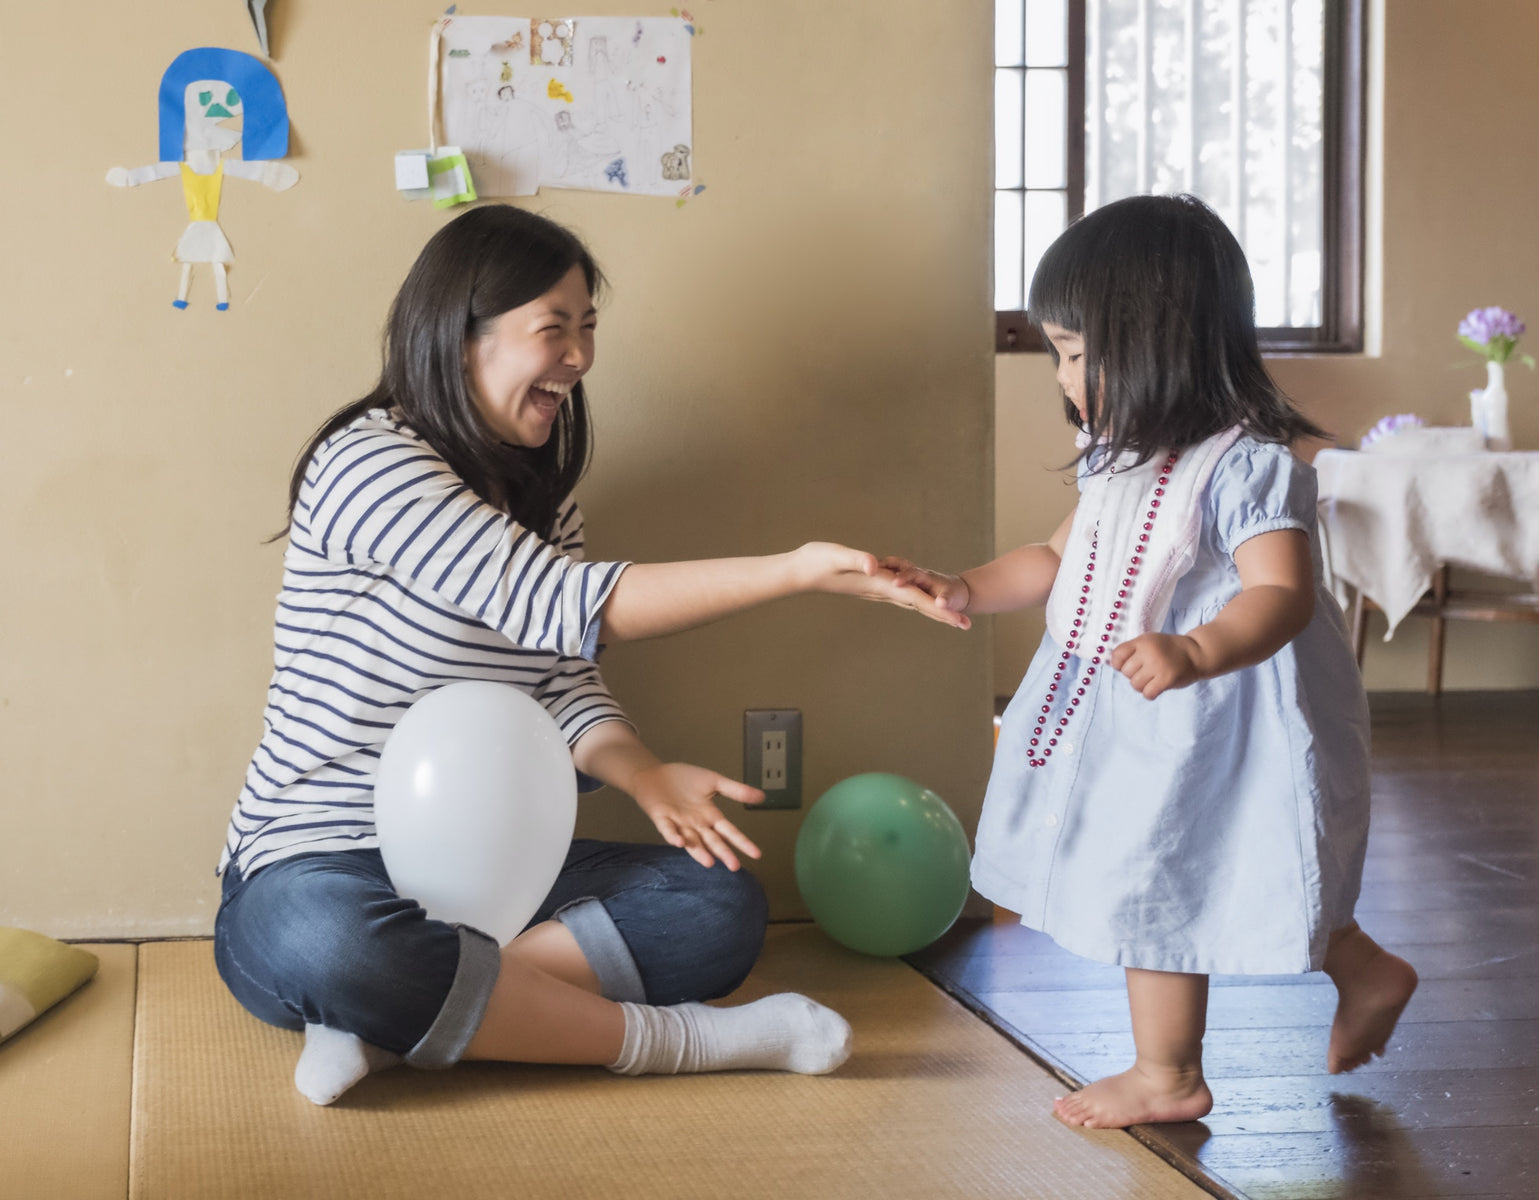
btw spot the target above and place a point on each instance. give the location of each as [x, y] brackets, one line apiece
[1138, 1096]
[1373, 987]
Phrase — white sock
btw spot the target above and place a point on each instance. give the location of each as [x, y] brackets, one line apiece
[332, 1061]
[785, 1032]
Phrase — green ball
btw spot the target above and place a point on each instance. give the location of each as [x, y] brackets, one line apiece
[882, 864]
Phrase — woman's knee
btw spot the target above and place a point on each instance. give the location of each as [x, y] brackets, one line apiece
[741, 910]
[336, 947]
[715, 932]
[738, 901]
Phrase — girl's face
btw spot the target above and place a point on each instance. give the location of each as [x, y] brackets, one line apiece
[527, 363]
[1071, 364]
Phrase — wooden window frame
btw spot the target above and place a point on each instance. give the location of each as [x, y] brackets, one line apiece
[1343, 114]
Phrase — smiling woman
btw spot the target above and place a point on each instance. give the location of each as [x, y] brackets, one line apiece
[433, 538]
[530, 358]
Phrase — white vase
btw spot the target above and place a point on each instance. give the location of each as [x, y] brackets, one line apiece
[1492, 404]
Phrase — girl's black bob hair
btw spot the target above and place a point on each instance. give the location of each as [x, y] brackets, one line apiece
[1160, 291]
[477, 267]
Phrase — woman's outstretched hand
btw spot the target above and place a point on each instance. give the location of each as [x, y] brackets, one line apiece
[681, 801]
[828, 567]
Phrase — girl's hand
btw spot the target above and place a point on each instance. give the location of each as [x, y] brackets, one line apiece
[827, 567]
[1157, 662]
[680, 800]
[952, 591]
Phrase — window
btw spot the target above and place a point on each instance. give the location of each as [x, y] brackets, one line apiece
[1254, 105]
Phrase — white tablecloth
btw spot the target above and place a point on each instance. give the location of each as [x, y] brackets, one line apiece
[1390, 520]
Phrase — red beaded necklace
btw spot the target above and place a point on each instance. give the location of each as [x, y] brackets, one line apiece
[1039, 754]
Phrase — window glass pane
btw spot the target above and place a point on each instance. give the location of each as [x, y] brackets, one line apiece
[1046, 129]
[1044, 218]
[1047, 32]
[1113, 97]
[1167, 82]
[1306, 164]
[1008, 39]
[1264, 159]
[1008, 293]
[1213, 83]
[1229, 108]
[1007, 127]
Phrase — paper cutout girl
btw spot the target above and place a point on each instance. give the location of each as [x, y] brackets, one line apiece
[201, 92]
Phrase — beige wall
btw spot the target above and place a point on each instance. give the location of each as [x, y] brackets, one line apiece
[802, 351]
[1459, 100]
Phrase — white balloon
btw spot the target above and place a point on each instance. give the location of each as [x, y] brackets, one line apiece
[475, 801]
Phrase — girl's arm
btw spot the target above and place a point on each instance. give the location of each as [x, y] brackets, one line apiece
[679, 798]
[651, 599]
[1020, 579]
[1276, 602]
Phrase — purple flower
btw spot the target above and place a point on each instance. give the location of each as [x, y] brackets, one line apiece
[1492, 333]
[1482, 324]
[1388, 426]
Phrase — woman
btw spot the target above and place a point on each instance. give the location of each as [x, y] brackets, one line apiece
[433, 538]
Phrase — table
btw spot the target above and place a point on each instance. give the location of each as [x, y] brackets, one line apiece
[1393, 524]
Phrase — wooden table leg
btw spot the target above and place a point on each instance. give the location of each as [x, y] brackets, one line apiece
[1439, 633]
[1359, 627]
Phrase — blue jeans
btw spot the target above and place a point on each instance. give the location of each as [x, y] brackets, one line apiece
[325, 939]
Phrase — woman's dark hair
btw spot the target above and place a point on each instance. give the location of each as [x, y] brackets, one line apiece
[477, 267]
[1159, 289]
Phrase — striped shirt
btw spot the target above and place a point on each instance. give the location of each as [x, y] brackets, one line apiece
[399, 579]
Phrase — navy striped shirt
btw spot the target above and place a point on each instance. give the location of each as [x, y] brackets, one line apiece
[399, 579]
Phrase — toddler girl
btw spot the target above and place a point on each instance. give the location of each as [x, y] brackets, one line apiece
[1181, 782]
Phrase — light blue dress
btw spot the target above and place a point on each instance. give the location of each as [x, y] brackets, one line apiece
[1219, 828]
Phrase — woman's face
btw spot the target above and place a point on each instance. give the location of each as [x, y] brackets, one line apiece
[1071, 364]
[527, 363]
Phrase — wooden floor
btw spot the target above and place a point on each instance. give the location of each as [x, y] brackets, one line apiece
[1451, 883]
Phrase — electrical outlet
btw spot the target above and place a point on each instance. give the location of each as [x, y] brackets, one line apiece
[772, 761]
[772, 755]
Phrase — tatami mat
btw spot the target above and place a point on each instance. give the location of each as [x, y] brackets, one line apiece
[64, 1091]
[933, 1104]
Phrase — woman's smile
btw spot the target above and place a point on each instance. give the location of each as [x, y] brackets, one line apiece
[548, 397]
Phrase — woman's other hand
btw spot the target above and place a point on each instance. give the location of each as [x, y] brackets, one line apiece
[828, 567]
[680, 799]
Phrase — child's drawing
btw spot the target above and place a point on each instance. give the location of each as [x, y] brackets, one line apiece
[503, 145]
[550, 43]
[676, 163]
[582, 149]
[202, 95]
[601, 102]
[606, 82]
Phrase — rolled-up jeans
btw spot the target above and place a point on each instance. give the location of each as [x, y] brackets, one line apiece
[325, 939]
